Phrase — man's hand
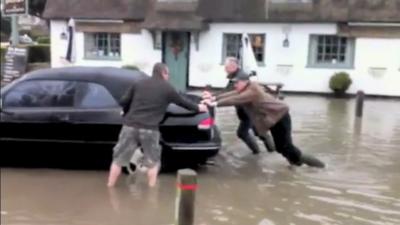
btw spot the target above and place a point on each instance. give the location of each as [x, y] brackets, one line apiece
[208, 102]
[207, 95]
[203, 108]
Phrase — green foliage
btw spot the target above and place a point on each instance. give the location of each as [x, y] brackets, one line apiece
[36, 7]
[340, 82]
[39, 53]
[5, 25]
[43, 40]
[130, 67]
[36, 53]
[2, 53]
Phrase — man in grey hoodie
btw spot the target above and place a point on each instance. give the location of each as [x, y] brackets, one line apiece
[146, 103]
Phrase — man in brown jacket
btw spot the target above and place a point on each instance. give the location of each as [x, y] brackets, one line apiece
[266, 113]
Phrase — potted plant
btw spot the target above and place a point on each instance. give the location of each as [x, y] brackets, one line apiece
[339, 83]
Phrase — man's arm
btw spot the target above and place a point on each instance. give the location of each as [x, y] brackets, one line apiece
[181, 101]
[126, 99]
[226, 95]
[236, 98]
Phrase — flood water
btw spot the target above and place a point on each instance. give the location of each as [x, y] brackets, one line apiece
[361, 184]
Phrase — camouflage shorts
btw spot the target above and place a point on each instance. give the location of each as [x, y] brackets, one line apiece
[130, 139]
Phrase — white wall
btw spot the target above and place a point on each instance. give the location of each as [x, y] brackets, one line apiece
[206, 68]
[136, 49]
[377, 53]
[58, 46]
[205, 64]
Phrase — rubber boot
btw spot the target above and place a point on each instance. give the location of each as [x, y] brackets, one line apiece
[312, 161]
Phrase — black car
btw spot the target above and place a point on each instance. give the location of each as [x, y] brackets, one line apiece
[70, 116]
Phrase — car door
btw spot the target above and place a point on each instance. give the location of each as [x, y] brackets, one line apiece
[96, 116]
[37, 110]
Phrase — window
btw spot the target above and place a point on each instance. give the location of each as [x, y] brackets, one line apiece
[92, 95]
[232, 44]
[258, 45]
[103, 46]
[41, 94]
[331, 51]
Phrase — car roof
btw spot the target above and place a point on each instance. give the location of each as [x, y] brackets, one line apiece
[82, 73]
[116, 80]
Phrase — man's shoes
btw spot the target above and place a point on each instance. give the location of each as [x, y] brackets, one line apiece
[311, 161]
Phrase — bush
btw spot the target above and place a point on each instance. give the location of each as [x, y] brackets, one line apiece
[131, 67]
[2, 53]
[37, 66]
[340, 82]
[38, 53]
[4, 37]
[43, 40]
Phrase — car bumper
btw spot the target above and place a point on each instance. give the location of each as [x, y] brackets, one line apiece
[194, 146]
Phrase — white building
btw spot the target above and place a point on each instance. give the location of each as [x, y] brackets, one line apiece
[300, 43]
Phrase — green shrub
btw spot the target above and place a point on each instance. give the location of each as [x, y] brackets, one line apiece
[340, 82]
[38, 53]
[43, 40]
[130, 67]
[4, 37]
[2, 53]
[37, 66]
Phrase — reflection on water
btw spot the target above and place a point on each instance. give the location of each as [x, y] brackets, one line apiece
[360, 186]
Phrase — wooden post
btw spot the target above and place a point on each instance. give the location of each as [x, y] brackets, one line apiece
[186, 190]
[359, 104]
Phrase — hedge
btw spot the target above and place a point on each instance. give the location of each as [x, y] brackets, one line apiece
[39, 53]
[130, 67]
[43, 40]
[2, 53]
[36, 53]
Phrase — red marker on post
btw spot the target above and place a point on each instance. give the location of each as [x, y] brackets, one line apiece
[186, 190]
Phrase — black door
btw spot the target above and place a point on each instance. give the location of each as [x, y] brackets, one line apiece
[96, 115]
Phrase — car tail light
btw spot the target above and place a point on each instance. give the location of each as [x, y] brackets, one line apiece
[206, 124]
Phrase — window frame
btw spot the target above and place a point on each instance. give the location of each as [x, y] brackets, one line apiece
[313, 53]
[225, 46]
[250, 35]
[95, 38]
[264, 38]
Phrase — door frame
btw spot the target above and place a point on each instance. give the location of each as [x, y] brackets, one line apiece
[163, 46]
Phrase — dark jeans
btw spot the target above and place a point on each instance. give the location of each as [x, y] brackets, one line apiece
[282, 135]
[243, 133]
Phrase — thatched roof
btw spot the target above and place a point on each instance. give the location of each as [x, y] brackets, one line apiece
[226, 10]
[96, 9]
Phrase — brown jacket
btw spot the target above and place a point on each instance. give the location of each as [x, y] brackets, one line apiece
[263, 109]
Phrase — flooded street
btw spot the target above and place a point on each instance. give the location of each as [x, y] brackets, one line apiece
[361, 184]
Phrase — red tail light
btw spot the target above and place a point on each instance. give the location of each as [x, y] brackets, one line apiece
[206, 124]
